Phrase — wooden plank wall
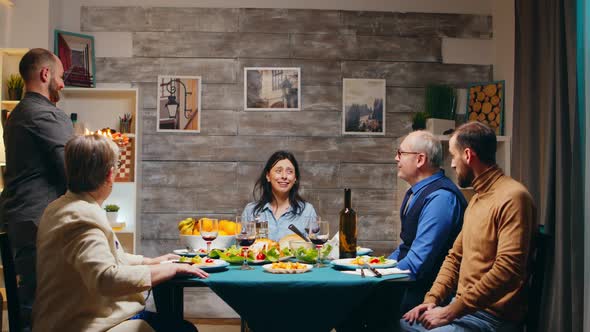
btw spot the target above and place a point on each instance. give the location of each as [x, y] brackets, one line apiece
[213, 173]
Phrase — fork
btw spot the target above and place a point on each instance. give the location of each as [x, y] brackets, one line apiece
[362, 272]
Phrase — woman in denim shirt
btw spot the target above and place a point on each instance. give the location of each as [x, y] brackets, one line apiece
[278, 200]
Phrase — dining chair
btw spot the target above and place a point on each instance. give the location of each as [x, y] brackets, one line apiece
[14, 319]
[538, 262]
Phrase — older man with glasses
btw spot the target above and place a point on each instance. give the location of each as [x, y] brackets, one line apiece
[431, 213]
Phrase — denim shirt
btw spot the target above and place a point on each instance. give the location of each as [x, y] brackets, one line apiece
[277, 229]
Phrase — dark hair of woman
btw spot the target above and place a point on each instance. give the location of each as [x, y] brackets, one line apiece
[263, 190]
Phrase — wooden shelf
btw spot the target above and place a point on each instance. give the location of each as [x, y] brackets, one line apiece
[10, 102]
[13, 51]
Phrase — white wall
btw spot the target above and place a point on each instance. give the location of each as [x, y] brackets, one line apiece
[504, 50]
[25, 25]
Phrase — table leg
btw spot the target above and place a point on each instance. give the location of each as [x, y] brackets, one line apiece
[169, 300]
[244, 326]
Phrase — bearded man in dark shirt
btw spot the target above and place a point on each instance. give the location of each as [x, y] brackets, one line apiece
[35, 135]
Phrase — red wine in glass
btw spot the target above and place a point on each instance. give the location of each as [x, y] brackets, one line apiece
[245, 237]
[209, 229]
[319, 239]
[245, 241]
[319, 232]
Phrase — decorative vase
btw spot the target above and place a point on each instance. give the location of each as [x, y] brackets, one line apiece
[15, 94]
[112, 217]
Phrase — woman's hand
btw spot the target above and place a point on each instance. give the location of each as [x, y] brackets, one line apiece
[187, 269]
[162, 272]
[158, 260]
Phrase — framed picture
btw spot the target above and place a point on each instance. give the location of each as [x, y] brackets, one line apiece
[363, 106]
[272, 89]
[179, 104]
[485, 103]
[76, 52]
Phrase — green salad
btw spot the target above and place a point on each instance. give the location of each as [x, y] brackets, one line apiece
[310, 255]
[234, 255]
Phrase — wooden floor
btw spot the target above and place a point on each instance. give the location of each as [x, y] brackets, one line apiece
[217, 325]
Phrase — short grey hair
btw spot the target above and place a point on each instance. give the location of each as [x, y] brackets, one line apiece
[427, 143]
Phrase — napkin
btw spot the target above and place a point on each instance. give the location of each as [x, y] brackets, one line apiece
[368, 273]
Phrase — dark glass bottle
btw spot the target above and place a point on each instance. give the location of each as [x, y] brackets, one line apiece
[347, 244]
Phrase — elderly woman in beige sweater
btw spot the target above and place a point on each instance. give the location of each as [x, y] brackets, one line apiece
[86, 282]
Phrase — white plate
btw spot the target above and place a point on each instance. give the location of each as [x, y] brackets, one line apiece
[346, 263]
[268, 268]
[216, 265]
[190, 253]
[364, 251]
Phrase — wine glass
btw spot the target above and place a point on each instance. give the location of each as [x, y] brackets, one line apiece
[261, 227]
[209, 228]
[245, 236]
[319, 231]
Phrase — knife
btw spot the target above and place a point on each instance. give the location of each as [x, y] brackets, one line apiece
[298, 232]
[374, 270]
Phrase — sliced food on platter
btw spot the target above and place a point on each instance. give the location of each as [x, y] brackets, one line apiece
[287, 267]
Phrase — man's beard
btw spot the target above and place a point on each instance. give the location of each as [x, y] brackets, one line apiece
[54, 95]
[466, 180]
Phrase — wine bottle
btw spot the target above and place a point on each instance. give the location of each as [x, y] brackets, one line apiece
[347, 243]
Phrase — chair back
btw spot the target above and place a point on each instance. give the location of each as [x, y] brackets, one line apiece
[538, 263]
[14, 318]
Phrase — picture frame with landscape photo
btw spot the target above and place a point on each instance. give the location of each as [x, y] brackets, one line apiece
[179, 104]
[272, 88]
[363, 106]
[76, 52]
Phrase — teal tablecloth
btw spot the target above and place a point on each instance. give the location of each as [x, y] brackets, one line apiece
[314, 301]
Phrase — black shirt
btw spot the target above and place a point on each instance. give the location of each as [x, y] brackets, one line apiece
[34, 138]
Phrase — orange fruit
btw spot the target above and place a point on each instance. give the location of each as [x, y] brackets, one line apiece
[222, 233]
[207, 224]
[222, 225]
[230, 228]
[196, 231]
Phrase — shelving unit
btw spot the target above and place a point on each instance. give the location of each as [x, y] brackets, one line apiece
[99, 108]
[9, 60]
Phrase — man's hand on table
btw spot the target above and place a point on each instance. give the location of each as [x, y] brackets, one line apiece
[413, 315]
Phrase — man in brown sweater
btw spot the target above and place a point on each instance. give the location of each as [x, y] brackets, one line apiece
[488, 261]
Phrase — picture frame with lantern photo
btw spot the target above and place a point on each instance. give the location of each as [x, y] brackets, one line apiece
[179, 104]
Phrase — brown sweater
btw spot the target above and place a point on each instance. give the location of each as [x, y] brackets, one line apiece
[488, 261]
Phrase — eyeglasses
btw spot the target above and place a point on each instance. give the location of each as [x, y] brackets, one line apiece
[400, 152]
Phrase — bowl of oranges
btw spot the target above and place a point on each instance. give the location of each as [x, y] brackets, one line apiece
[191, 238]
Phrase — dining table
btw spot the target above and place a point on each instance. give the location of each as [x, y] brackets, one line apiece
[318, 300]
